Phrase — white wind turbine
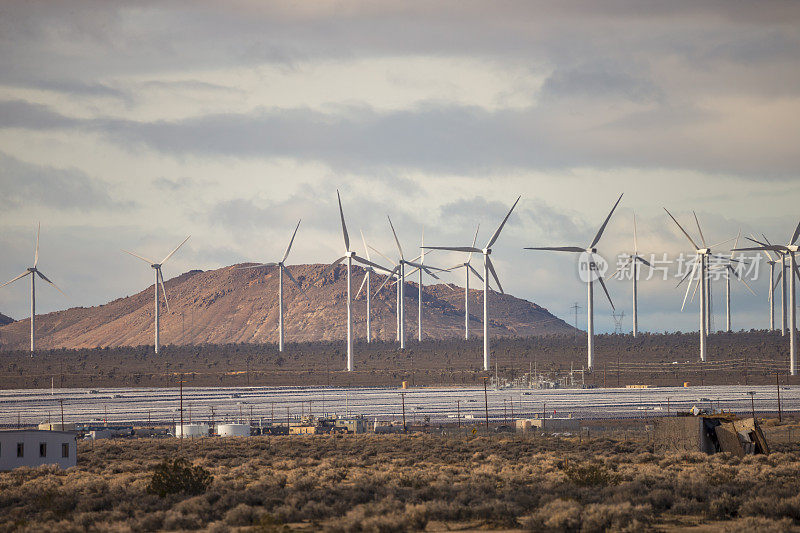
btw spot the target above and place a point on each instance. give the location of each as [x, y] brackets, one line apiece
[703, 254]
[780, 279]
[400, 271]
[467, 268]
[592, 272]
[729, 270]
[634, 259]
[366, 283]
[350, 256]
[281, 270]
[427, 270]
[159, 279]
[788, 250]
[487, 268]
[33, 272]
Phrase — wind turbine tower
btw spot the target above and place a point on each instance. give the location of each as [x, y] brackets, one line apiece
[33, 272]
[159, 279]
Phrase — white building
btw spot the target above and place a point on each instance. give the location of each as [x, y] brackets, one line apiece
[32, 447]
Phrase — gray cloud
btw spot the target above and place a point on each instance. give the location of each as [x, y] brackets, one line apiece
[26, 184]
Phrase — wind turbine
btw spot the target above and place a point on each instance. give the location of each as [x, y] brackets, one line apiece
[592, 272]
[281, 270]
[634, 259]
[788, 250]
[366, 282]
[703, 255]
[781, 278]
[401, 271]
[420, 269]
[350, 256]
[159, 279]
[467, 268]
[487, 268]
[728, 270]
[33, 272]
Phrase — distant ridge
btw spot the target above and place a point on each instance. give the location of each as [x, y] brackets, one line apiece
[231, 305]
[5, 319]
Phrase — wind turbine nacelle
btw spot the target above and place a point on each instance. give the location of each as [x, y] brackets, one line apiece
[487, 251]
[591, 250]
[793, 248]
[704, 251]
[350, 254]
[31, 270]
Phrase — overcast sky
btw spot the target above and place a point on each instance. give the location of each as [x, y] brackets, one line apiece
[132, 125]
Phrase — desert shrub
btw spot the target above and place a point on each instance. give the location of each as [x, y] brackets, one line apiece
[558, 515]
[759, 525]
[241, 515]
[724, 506]
[179, 476]
[590, 475]
[615, 517]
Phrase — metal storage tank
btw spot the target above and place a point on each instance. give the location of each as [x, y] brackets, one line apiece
[191, 430]
[233, 430]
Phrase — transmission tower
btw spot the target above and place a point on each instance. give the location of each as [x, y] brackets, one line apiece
[618, 321]
[575, 308]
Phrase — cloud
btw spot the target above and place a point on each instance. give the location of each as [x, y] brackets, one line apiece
[25, 184]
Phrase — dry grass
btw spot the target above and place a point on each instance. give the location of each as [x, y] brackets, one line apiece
[406, 483]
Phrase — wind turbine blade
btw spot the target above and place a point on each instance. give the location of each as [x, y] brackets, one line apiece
[689, 285]
[450, 286]
[475, 272]
[258, 266]
[50, 282]
[627, 261]
[421, 257]
[370, 263]
[455, 248]
[795, 234]
[683, 230]
[770, 256]
[344, 226]
[149, 262]
[15, 279]
[774, 248]
[500, 228]
[643, 260]
[366, 248]
[288, 248]
[297, 283]
[720, 243]
[430, 272]
[394, 272]
[740, 278]
[36, 256]
[361, 287]
[700, 230]
[751, 239]
[635, 242]
[494, 274]
[605, 223]
[380, 254]
[474, 241]
[330, 267]
[163, 288]
[558, 248]
[735, 244]
[696, 285]
[396, 240]
[173, 251]
[605, 290]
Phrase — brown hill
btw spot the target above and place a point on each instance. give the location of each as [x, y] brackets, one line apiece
[5, 319]
[231, 305]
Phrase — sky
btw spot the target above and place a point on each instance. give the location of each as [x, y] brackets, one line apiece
[132, 125]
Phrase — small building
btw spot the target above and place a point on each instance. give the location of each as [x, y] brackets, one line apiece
[709, 434]
[33, 447]
[57, 426]
[357, 424]
[548, 424]
[303, 430]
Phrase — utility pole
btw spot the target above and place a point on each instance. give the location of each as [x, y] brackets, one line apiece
[617, 370]
[753, 405]
[486, 402]
[62, 415]
[180, 382]
[778, 388]
[458, 411]
[403, 400]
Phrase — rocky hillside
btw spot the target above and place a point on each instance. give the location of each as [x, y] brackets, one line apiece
[5, 319]
[232, 305]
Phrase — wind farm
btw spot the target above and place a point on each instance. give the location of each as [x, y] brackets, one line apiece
[375, 234]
